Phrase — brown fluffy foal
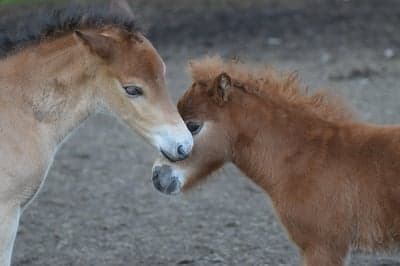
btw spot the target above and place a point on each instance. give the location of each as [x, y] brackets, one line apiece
[334, 181]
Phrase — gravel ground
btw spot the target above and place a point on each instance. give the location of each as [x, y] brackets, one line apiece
[98, 206]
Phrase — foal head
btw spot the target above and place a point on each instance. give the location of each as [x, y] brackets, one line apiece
[130, 76]
[100, 53]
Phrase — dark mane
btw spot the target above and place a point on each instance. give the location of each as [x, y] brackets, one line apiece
[270, 85]
[19, 31]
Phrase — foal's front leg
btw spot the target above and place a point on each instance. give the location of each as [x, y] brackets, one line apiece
[9, 219]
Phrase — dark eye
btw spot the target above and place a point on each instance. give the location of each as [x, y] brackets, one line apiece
[133, 91]
[194, 127]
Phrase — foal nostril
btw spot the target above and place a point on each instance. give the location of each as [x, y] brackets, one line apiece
[156, 172]
[173, 186]
[156, 178]
[183, 152]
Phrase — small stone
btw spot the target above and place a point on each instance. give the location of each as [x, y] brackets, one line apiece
[326, 58]
[274, 41]
[389, 53]
[185, 261]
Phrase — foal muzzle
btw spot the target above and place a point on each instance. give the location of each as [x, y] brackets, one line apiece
[175, 144]
[165, 181]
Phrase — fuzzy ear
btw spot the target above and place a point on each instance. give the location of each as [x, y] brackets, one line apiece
[97, 44]
[224, 87]
[121, 6]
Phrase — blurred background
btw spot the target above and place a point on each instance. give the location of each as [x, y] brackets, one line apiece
[98, 205]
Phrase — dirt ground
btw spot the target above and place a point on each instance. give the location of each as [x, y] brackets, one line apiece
[98, 205]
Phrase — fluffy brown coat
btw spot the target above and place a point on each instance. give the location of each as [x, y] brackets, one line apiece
[334, 181]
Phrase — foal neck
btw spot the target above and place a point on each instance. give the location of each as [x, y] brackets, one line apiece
[49, 84]
[273, 139]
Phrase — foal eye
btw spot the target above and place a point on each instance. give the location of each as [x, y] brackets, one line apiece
[194, 127]
[133, 91]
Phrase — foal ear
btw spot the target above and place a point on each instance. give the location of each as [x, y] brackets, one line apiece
[224, 87]
[97, 44]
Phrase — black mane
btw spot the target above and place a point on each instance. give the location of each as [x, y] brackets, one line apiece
[27, 28]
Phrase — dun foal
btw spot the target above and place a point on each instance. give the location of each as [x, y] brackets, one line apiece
[76, 62]
[334, 181]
